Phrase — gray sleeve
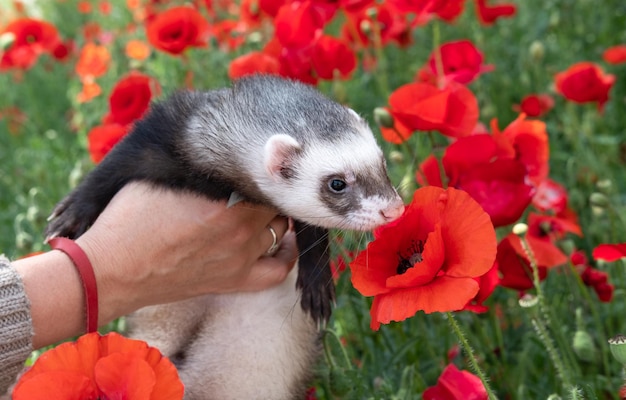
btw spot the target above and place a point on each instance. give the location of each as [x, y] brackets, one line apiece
[16, 329]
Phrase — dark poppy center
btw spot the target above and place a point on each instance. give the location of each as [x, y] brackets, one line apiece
[411, 256]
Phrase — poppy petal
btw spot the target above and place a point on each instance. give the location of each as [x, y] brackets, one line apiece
[609, 252]
[123, 375]
[441, 295]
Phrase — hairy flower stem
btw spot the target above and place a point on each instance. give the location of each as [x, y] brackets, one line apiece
[327, 333]
[470, 354]
[542, 321]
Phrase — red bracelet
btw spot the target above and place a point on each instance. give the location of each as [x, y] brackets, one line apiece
[87, 277]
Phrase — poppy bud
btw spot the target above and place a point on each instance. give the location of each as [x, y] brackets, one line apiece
[617, 344]
[528, 301]
[583, 346]
[6, 40]
[396, 157]
[537, 51]
[598, 200]
[604, 185]
[520, 229]
[383, 117]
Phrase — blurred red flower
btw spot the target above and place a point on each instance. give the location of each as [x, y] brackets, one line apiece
[615, 54]
[490, 170]
[596, 279]
[526, 141]
[487, 15]
[102, 138]
[392, 26]
[93, 61]
[535, 105]
[298, 24]
[178, 28]
[451, 110]
[487, 284]
[130, 99]
[427, 259]
[609, 252]
[32, 37]
[461, 62]
[585, 82]
[100, 367]
[454, 384]
[252, 63]
[330, 55]
[550, 196]
[515, 270]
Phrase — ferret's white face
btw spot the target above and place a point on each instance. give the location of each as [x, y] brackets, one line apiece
[333, 184]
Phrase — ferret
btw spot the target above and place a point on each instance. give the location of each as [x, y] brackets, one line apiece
[270, 141]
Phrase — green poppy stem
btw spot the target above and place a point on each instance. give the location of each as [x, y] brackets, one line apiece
[470, 354]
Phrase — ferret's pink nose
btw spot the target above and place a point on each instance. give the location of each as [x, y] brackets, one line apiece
[392, 212]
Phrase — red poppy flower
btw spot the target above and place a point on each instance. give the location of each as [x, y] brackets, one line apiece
[615, 54]
[454, 384]
[396, 134]
[178, 28]
[485, 166]
[552, 228]
[487, 284]
[32, 37]
[515, 270]
[102, 138]
[297, 24]
[295, 63]
[535, 105]
[130, 99]
[598, 280]
[529, 141]
[461, 62]
[585, 82]
[452, 110]
[393, 26]
[93, 61]
[609, 252]
[550, 196]
[330, 55]
[427, 259]
[252, 63]
[501, 189]
[487, 15]
[100, 367]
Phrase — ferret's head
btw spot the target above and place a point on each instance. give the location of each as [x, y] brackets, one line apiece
[322, 164]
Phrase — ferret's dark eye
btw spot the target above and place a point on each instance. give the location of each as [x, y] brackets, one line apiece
[337, 185]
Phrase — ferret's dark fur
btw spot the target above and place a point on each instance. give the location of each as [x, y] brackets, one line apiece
[273, 142]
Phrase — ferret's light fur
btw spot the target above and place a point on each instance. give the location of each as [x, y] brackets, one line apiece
[275, 142]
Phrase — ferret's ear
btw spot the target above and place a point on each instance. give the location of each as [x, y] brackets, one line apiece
[280, 153]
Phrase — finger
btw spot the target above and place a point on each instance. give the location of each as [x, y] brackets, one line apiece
[270, 271]
[276, 229]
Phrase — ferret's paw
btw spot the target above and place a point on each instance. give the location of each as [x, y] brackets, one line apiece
[66, 220]
[318, 297]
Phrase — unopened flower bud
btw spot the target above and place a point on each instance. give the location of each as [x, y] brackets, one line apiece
[520, 229]
[383, 117]
[396, 157]
[617, 344]
[604, 184]
[6, 40]
[528, 301]
[583, 346]
[598, 200]
[537, 51]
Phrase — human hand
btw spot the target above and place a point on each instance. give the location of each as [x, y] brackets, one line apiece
[153, 246]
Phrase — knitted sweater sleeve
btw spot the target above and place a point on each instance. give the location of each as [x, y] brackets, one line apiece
[16, 329]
